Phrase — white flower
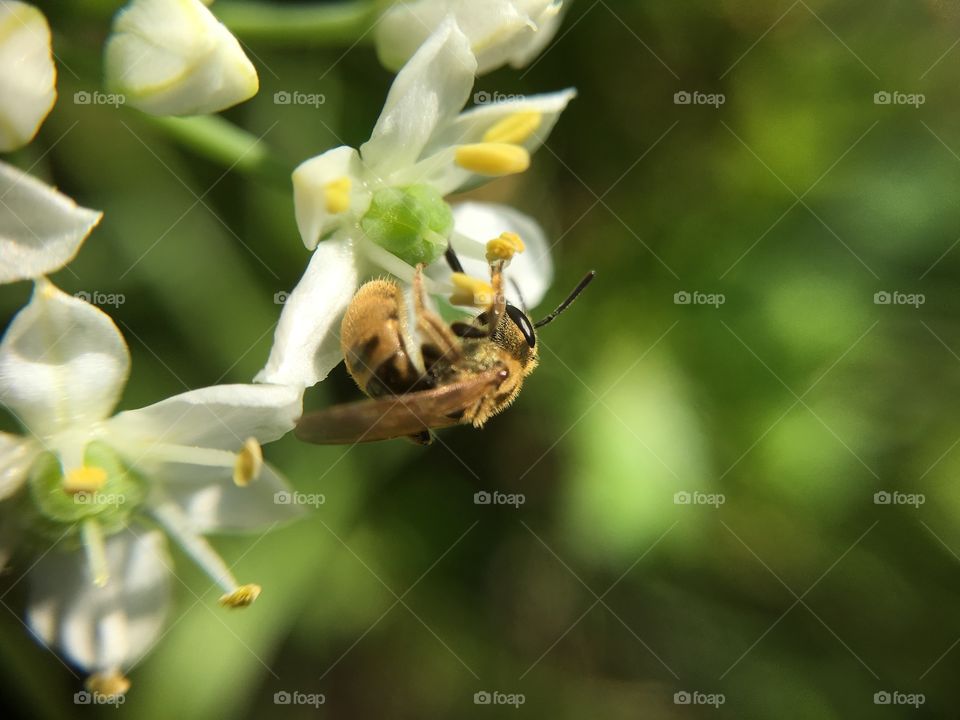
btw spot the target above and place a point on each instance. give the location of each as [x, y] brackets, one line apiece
[382, 207]
[93, 484]
[27, 73]
[500, 31]
[40, 229]
[173, 57]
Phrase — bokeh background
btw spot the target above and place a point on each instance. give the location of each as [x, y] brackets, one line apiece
[794, 401]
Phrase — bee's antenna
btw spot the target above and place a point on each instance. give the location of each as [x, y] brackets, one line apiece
[581, 286]
[516, 288]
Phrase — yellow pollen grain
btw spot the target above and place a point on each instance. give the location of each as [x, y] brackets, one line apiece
[504, 247]
[86, 479]
[493, 159]
[514, 129]
[109, 684]
[248, 464]
[336, 195]
[470, 291]
[241, 597]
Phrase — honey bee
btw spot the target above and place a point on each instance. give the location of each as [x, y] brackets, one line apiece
[421, 373]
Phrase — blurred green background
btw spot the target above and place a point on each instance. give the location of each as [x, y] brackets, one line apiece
[796, 400]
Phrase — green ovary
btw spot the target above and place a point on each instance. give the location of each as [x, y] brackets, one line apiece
[110, 504]
[414, 223]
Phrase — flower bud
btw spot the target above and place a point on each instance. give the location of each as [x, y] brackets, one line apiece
[173, 57]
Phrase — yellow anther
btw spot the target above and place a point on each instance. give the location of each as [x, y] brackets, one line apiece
[84, 480]
[336, 195]
[241, 597]
[515, 129]
[248, 464]
[470, 291]
[112, 683]
[493, 159]
[504, 247]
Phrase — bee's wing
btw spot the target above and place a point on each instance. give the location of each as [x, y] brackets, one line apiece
[394, 416]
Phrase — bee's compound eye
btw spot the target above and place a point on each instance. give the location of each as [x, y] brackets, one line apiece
[503, 373]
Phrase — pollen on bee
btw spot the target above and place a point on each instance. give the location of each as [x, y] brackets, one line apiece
[248, 464]
[514, 129]
[504, 247]
[493, 159]
[336, 195]
[470, 291]
[241, 597]
[86, 479]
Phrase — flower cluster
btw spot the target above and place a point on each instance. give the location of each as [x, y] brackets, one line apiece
[104, 491]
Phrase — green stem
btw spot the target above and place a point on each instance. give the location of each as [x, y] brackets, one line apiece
[223, 142]
[343, 22]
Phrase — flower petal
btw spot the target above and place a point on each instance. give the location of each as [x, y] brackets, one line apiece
[221, 416]
[306, 346]
[500, 31]
[475, 224]
[173, 57]
[62, 362]
[16, 456]
[548, 22]
[470, 127]
[40, 229]
[103, 628]
[311, 182]
[212, 502]
[27, 73]
[426, 94]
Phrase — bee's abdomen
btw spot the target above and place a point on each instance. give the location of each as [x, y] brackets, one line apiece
[373, 345]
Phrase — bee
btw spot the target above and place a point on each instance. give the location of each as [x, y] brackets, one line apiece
[421, 373]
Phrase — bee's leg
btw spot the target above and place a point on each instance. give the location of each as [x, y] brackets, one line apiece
[452, 260]
[424, 437]
[431, 325]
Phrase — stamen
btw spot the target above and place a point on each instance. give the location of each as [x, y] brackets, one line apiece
[470, 291]
[178, 528]
[241, 597]
[249, 463]
[504, 247]
[86, 479]
[186, 454]
[514, 129]
[96, 552]
[493, 159]
[110, 683]
[336, 195]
